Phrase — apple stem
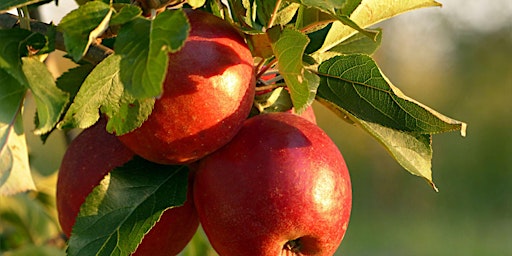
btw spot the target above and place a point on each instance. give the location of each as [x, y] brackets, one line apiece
[294, 246]
[265, 68]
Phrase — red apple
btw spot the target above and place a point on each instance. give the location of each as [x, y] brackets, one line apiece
[307, 114]
[91, 156]
[208, 93]
[280, 187]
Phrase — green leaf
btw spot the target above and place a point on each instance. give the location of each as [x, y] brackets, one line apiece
[286, 13]
[329, 6]
[50, 100]
[101, 87]
[288, 46]
[355, 84]
[126, 14]
[125, 206]
[144, 46]
[12, 94]
[368, 13]
[266, 12]
[278, 100]
[312, 19]
[129, 115]
[16, 43]
[104, 89]
[71, 80]
[341, 11]
[357, 43]
[413, 151]
[349, 6]
[15, 173]
[83, 25]
[6, 5]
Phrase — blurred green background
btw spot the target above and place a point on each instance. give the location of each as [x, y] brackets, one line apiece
[455, 59]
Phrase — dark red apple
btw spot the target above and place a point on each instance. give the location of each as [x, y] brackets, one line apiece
[91, 156]
[280, 187]
[208, 93]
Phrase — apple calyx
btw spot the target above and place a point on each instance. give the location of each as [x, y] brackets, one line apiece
[294, 246]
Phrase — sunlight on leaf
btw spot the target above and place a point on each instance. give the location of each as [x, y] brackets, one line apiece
[368, 13]
[356, 84]
[15, 176]
[288, 47]
[412, 151]
[50, 100]
[126, 204]
[144, 46]
[82, 26]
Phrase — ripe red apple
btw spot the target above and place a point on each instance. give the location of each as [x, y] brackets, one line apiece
[91, 156]
[208, 93]
[280, 187]
[307, 114]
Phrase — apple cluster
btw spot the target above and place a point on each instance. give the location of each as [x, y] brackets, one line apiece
[272, 184]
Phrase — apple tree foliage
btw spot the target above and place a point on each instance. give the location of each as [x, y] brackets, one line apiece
[321, 51]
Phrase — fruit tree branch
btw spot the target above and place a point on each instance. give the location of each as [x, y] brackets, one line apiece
[94, 55]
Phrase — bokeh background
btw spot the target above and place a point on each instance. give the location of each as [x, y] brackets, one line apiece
[455, 59]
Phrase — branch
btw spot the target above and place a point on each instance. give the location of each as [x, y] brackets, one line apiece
[94, 55]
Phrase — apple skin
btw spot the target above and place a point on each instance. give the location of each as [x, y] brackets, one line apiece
[280, 187]
[308, 114]
[91, 156]
[208, 93]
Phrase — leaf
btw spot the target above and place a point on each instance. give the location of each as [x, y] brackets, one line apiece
[50, 100]
[341, 11]
[329, 6]
[412, 151]
[12, 94]
[286, 13]
[6, 5]
[358, 43]
[144, 46]
[288, 46]
[124, 207]
[355, 84]
[16, 43]
[261, 45]
[103, 89]
[15, 173]
[126, 14]
[368, 13]
[277, 100]
[312, 19]
[129, 116]
[266, 12]
[82, 26]
[71, 80]
[15, 176]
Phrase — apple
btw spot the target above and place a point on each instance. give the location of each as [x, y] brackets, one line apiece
[91, 156]
[207, 94]
[280, 187]
[308, 114]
